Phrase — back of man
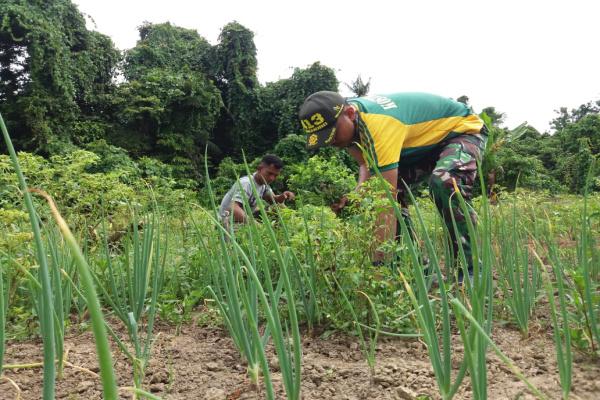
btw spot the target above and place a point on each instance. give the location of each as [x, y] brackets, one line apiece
[401, 128]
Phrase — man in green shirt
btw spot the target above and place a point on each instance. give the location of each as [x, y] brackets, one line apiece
[409, 137]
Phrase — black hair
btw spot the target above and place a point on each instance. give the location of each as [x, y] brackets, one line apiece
[272, 159]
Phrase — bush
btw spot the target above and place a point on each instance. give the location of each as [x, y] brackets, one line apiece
[86, 188]
[320, 181]
[518, 170]
[292, 149]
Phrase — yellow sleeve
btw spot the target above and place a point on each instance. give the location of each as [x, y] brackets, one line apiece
[386, 136]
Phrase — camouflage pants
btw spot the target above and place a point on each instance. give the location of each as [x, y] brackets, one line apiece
[454, 158]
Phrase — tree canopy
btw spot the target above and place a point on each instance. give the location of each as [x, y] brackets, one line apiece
[174, 95]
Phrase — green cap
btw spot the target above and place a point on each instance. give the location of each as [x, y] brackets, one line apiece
[318, 116]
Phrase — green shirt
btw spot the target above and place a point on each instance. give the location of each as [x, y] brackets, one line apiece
[399, 128]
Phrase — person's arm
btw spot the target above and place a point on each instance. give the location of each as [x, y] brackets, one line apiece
[242, 190]
[386, 221]
[280, 198]
[363, 169]
[239, 215]
[363, 175]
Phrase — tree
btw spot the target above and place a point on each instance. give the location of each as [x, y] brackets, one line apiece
[277, 114]
[53, 72]
[168, 115]
[566, 117]
[234, 68]
[496, 117]
[523, 171]
[575, 167]
[292, 149]
[558, 161]
[166, 46]
[463, 99]
[358, 87]
[169, 107]
[587, 128]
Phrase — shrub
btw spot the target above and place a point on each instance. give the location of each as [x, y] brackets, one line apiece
[320, 181]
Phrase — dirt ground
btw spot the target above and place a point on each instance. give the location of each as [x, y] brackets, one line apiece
[202, 363]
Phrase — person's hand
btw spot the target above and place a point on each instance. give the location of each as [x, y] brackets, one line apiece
[287, 195]
[337, 207]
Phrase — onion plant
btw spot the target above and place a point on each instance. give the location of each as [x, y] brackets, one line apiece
[243, 265]
[98, 325]
[60, 260]
[289, 350]
[479, 291]
[560, 320]
[519, 278]
[237, 296]
[461, 312]
[589, 262]
[305, 275]
[47, 301]
[46, 320]
[237, 300]
[439, 348]
[132, 286]
[368, 349]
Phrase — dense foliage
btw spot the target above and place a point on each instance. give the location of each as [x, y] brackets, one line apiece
[555, 162]
[175, 95]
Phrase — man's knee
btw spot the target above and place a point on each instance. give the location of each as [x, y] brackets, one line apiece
[440, 184]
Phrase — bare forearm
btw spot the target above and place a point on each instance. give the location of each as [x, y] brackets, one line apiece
[363, 175]
[280, 198]
[386, 220]
[239, 215]
[386, 229]
[363, 170]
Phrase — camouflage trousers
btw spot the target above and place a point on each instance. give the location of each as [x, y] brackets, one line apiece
[453, 159]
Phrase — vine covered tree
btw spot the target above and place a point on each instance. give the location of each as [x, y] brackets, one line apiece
[169, 106]
[279, 101]
[169, 47]
[234, 68]
[54, 73]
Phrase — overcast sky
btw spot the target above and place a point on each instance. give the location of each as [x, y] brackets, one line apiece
[526, 58]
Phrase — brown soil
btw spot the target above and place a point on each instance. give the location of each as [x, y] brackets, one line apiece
[202, 363]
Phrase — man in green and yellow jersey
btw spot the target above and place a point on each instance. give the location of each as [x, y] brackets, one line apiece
[409, 137]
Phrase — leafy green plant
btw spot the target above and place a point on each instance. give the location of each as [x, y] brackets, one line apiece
[320, 181]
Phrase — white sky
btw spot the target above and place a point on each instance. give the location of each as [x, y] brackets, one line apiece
[525, 57]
